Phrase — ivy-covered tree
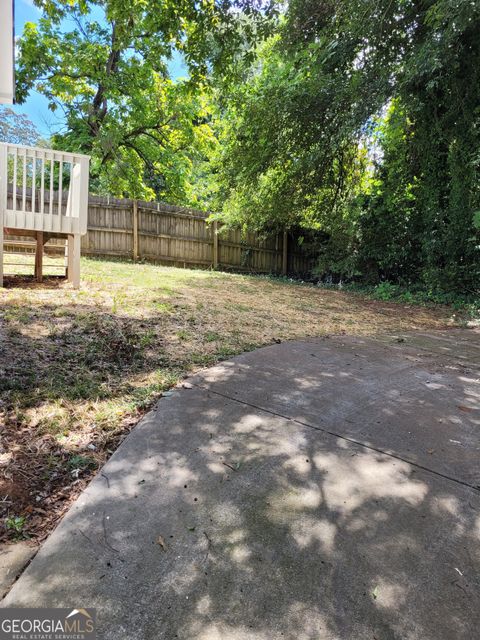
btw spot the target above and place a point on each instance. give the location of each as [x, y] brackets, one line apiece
[302, 143]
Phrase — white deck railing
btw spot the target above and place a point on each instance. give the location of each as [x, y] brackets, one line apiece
[43, 189]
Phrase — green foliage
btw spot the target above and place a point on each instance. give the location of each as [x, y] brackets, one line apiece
[388, 238]
[78, 461]
[104, 65]
[362, 120]
[278, 167]
[16, 525]
[469, 305]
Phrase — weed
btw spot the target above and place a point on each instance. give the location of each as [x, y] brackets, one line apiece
[81, 462]
[16, 525]
[212, 336]
[147, 338]
[225, 352]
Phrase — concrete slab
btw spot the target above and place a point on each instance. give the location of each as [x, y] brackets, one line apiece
[217, 519]
[13, 560]
[418, 399]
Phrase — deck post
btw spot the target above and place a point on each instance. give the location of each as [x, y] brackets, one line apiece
[75, 270]
[69, 257]
[73, 260]
[39, 257]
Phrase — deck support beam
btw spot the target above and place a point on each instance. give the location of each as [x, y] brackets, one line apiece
[39, 257]
[73, 260]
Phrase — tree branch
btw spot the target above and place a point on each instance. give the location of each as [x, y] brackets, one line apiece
[99, 104]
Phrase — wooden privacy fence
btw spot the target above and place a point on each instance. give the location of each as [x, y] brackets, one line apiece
[176, 236]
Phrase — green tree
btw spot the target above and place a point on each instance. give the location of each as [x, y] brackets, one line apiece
[300, 137]
[388, 240]
[104, 64]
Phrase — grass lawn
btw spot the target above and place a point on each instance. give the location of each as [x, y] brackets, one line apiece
[79, 368]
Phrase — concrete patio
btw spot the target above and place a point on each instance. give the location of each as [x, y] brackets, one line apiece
[324, 489]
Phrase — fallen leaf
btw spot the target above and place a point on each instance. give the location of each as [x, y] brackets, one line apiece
[187, 385]
[430, 451]
[467, 409]
[161, 542]
[375, 593]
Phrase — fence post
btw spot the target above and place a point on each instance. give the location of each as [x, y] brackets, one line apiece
[215, 244]
[135, 230]
[285, 254]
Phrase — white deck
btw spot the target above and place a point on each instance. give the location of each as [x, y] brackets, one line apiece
[57, 183]
[45, 193]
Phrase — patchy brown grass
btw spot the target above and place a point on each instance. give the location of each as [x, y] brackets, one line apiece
[79, 368]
